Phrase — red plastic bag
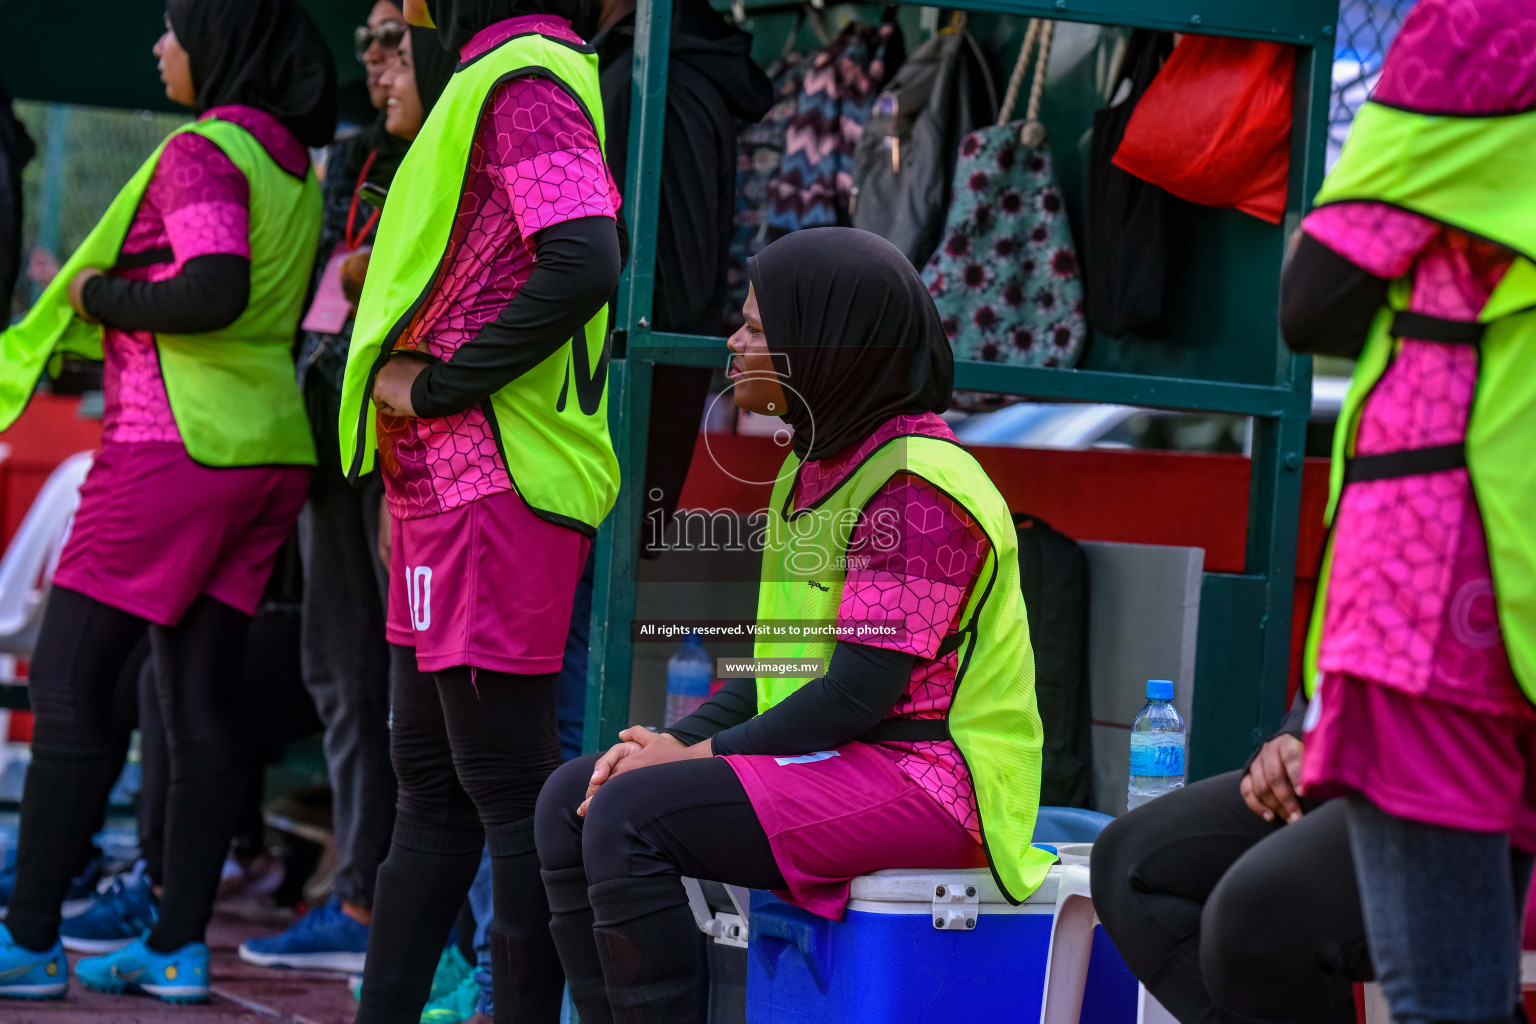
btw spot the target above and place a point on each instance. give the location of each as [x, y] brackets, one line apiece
[1215, 125]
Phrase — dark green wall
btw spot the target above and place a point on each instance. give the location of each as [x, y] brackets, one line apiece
[1224, 293]
[97, 52]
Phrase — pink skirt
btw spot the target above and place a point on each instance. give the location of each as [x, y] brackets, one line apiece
[838, 814]
[155, 530]
[488, 584]
[1423, 759]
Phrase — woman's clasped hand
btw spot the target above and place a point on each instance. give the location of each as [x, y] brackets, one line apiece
[640, 748]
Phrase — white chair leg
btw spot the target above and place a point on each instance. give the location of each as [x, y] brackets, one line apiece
[1149, 1010]
[1066, 965]
[702, 915]
[1377, 1009]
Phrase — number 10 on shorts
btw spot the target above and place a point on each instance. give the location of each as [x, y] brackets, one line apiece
[418, 591]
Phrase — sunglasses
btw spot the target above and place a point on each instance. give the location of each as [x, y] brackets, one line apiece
[389, 35]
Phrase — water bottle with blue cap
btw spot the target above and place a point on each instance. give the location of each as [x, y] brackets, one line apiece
[1158, 744]
[689, 673]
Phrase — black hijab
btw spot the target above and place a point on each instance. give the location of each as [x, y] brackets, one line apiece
[859, 330]
[432, 65]
[457, 21]
[265, 54]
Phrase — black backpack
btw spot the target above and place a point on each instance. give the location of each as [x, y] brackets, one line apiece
[1053, 574]
[905, 160]
[1132, 224]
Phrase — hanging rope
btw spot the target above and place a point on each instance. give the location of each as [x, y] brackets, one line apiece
[1036, 38]
[1015, 80]
[1037, 90]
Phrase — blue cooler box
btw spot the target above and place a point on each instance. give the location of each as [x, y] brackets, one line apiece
[887, 963]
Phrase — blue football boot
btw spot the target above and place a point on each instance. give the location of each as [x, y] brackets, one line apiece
[179, 977]
[26, 974]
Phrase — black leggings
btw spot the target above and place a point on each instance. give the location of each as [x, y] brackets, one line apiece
[471, 756]
[155, 777]
[628, 942]
[82, 648]
[1228, 918]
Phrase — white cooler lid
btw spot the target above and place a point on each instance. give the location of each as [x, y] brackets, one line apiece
[917, 887]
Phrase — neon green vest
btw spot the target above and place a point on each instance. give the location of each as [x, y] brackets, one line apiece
[1470, 173]
[552, 422]
[993, 718]
[232, 391]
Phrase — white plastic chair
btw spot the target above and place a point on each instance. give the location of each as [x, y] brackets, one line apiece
[26, 569]
[1066, 963]
[1071, 950]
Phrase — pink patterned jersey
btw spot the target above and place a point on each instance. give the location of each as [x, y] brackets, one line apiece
[1472, 57]
[913, 562]
[1410, 598]
[197, 204]
[535, 161]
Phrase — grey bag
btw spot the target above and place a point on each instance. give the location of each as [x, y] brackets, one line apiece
[905, 161]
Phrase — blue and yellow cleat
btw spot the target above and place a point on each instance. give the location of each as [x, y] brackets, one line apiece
[179, 977]
[25, 974]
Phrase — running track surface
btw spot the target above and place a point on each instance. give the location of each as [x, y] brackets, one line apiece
[241, 993]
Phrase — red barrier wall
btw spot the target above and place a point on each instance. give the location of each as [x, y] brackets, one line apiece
[1137, 497]
[49, 432]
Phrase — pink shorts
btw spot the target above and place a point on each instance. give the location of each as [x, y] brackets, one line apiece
[838, 814]
[488, 584]
[1423, 759]
[155, 529]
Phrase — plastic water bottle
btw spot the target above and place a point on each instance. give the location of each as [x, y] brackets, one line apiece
[689, 673]
[1158, 741]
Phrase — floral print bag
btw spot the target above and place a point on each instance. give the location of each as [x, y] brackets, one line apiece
[1006, 277]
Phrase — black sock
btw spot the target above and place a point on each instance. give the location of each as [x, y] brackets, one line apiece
[82, 647]
[570, 923]
[420, 889]
[199, 676]
[526, 980]
[202, 815]
[64, 795]
[652, 951]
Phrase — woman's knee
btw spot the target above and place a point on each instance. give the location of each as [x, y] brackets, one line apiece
[611, 833]
[1241, 956]
[504, 742]
[557, 829]
[428, 790]
[1116, 854]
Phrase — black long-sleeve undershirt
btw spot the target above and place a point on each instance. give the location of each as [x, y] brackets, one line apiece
[209, 294]
[1327, 302]
[577, 270]
[732, 704]
[861, 686]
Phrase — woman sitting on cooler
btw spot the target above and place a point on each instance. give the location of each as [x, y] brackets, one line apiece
[920, 745]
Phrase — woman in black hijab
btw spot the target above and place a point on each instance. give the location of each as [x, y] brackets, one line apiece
[265, 54]
[800, 786]
[192, 286]
[458, 20]
[431, 64]
[473, 728]
[854, 335]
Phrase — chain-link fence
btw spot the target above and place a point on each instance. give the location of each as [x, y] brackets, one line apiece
[84, 155]
[1366, 30]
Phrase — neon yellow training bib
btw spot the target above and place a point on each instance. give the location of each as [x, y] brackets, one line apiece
[551, 423]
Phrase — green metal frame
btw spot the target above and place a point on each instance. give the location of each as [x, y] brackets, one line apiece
[1245, 629]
